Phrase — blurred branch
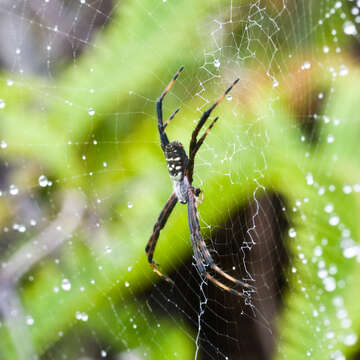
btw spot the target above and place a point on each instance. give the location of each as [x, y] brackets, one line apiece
[24, 259]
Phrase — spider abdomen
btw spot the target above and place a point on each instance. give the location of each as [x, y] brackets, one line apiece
[176, 159]
[181, 190]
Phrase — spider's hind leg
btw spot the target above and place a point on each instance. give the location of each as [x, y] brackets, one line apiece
[222, 286]
[210, 262]
[201, 264]
[160, 223]
[202, 255]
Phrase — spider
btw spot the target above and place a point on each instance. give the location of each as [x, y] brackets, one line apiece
[181, 167]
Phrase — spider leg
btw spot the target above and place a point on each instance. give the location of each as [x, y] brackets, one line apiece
[170, 118]
[222, 286]
[164, 139]
[160, 223]
[193, 142]
[201, 266]
[200, 250]
[201, 140]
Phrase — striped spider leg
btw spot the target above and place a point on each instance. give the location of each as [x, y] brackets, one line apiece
[181, 168]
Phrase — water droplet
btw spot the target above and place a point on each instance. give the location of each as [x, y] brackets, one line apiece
[306, 65]
[341, 313]
[275, 83]
[338, 301]
[318, 251]
[104, 164]
[66, 285]
[349, 28]
[29, 320]
[229, 97]
[3, 144]
[330, 284]
[292, 232]
[43, 181]
[10, 82]
[108, 249]
[326, 49]
[347, 189]
[127, 284]
[350, 339]
[345, 323]
[309, 179]
[334, 220]
[337, 355]
[329, 208]
[322, 273]
[13, 190]
[351, 250]
[81, 316]
[103, 353]
[343, 70]
[130, 204]
[2, 104]
[78, 315]
[333, 270]
[216, 63]
[330, 138]
[91, 112]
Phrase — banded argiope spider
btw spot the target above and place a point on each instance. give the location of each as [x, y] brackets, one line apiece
[181, 169]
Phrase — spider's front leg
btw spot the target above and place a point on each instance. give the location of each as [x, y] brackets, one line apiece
[161, 126]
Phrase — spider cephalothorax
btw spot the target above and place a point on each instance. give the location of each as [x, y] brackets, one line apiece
[177, 160]
[181, 169]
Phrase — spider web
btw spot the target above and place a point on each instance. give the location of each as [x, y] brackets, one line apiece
[83, 179]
